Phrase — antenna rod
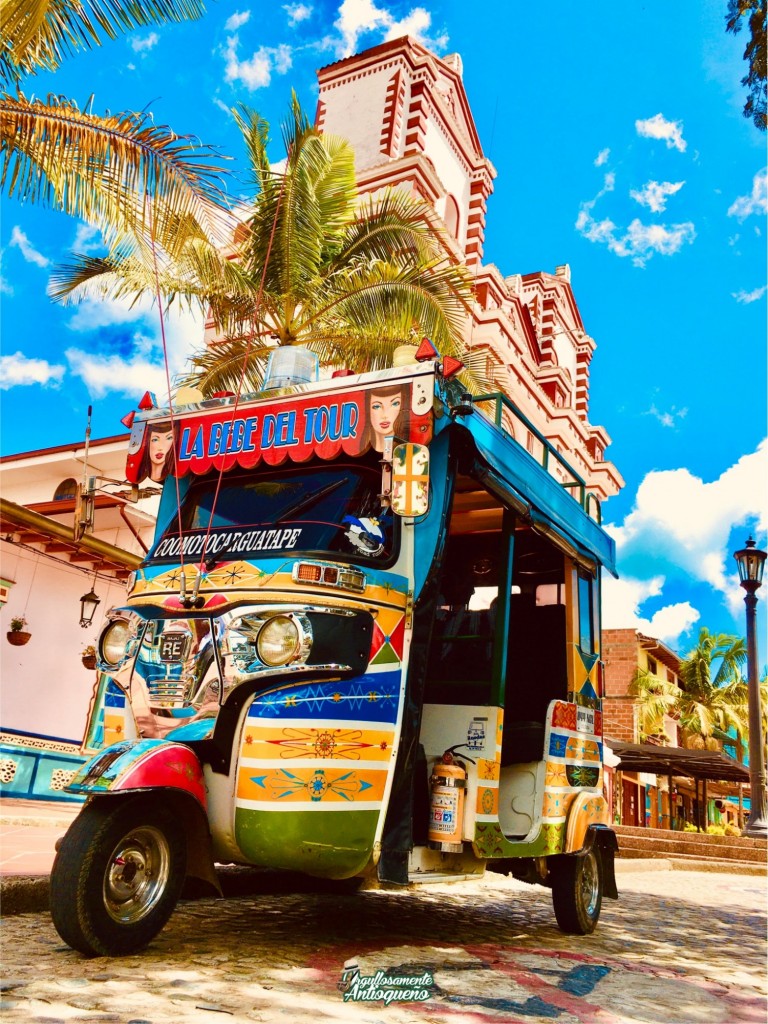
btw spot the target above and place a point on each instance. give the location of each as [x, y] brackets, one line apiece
[87, 443]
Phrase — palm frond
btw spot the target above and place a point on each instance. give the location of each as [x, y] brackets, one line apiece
[39, 34]
[123, 173]
[656, 698]
[220, 367]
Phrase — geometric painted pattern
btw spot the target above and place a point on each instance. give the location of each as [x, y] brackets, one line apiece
[573, 770]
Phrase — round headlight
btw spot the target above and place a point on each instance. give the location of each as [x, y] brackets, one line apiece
[113, 642]
[279, 640]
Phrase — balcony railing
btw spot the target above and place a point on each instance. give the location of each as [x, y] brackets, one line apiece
[541, 449]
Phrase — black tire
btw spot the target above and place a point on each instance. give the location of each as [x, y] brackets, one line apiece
[117, 875]
[577, 891]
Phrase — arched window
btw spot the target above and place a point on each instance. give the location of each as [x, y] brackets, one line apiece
[452, 216]
[66, 490]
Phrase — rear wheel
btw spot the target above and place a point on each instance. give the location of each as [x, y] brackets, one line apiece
[117, 875]
[577, 891]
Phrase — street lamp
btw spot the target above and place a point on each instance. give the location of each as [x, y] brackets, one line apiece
[88, 604]
[751, 561]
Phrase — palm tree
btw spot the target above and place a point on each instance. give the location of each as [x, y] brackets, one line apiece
[656, 698]
[130, 178]
[313, 265]
[713, 701]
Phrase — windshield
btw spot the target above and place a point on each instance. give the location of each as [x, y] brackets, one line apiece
[321, 510]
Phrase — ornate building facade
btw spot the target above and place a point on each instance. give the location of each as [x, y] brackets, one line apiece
[407, 115]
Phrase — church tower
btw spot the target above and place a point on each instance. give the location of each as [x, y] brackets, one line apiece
[405, 112]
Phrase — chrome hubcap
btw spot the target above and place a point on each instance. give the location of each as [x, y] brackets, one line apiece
[589, 883]
[137, 874]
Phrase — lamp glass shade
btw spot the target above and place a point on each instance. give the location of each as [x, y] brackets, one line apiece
[88, 604]
[751, 562]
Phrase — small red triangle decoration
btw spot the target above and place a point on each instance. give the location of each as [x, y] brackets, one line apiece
[148, 401]
[451, 366]
[425, 351]
[127, 421]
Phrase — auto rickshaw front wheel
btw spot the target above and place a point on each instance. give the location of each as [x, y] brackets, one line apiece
[577, 891]
[117, 875]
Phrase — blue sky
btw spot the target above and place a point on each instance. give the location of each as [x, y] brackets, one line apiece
[621, 149]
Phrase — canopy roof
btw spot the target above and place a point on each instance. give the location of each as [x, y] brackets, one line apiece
[694, 764]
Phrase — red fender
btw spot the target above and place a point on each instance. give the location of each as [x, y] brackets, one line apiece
[168, 765]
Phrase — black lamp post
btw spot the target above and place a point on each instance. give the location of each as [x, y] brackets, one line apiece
[751, 561]
[88, 604]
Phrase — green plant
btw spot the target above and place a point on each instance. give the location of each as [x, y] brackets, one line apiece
[716, 830]
[690, 827]
[89, 651]
[18, 623]
[732, 830]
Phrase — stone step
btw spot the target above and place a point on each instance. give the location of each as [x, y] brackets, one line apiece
[626, 861]
[731, 842]
[653, 847]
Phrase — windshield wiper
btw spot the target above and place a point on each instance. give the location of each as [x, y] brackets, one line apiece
[309, 499]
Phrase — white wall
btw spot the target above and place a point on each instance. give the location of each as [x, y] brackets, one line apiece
[45, 689]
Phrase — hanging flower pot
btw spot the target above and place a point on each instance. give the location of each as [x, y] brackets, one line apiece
[17, 635]
[88, 657]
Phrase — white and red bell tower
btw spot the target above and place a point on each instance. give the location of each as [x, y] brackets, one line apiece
[406, 114]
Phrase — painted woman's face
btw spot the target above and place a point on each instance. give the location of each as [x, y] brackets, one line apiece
[160, 443]
[384, 412]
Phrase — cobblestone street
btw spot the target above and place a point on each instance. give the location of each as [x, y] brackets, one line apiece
[679, 947]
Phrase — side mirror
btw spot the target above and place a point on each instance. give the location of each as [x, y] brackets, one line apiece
[410, 479]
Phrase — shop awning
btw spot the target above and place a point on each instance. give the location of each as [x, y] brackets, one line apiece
[693, 764]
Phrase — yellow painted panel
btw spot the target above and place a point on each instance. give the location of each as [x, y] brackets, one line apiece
[317, 784]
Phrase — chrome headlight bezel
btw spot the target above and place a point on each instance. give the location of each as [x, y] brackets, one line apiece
[119, 634]
[247, 636]
[296, 638]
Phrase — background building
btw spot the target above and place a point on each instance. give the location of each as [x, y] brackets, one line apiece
[46, 569]
[704, 784]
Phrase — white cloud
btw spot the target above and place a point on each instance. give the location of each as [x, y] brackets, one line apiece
[667, 419]
[654, 194]
[17, 370]
[747, 297]
[680, 519]
[5, 286]
[680, 529]
[145, 44]
[94, 314]
[256, 72]
[358, 17]
[638, 241]
[657, 127]
[237, 20]
[221, 105]
[757, 202]
[602, 157]
[20, 241]
[87, 239]
[128, 376]
[137, 366]
[297, 13]
[624, 598]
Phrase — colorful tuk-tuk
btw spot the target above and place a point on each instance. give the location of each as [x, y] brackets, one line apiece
[365, 643]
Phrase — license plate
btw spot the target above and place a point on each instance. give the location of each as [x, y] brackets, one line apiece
[173, 646]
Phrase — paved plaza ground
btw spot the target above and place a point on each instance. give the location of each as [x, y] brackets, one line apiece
[679, 947]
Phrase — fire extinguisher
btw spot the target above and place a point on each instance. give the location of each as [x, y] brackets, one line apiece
[447, 788]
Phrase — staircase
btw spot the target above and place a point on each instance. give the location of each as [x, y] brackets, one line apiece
[696, 851]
